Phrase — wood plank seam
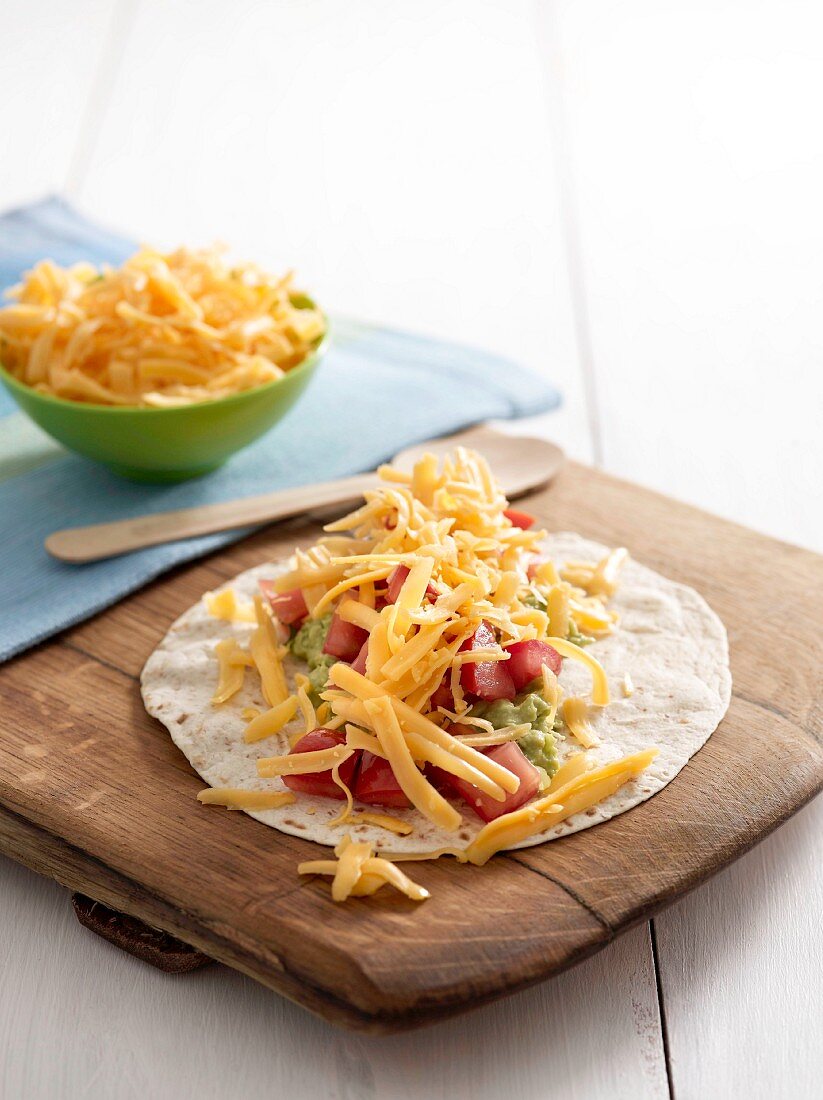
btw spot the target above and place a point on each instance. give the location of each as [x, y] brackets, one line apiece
[661, 1009]
[590, 909]
[99, 660]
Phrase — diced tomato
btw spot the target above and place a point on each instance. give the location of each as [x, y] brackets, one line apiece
[289, 607]
[438, 778]
[443, 697]
[396, 580]
[488, 680]
[359, 662]
[322, 782]
[376, 784]
[344, 640]
[509, 756]
[527, 659]
[524, 520]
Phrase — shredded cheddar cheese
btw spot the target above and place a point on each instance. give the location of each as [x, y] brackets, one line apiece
[162, 330]
[415, 786]
[558, 608]
[271, 721]
[356, 872]
[382, 821]
[445, 585]
[578, 794]
[576, 765]
[576, 716]
[232, 663]
[267, 657]
[302, 763]
[305, 703]
[600, 579]
[600, 683]
[429, 736]
[346, 813]
[224, 605]
[239, 798]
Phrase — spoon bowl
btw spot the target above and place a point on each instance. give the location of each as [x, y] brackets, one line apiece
[520, 463]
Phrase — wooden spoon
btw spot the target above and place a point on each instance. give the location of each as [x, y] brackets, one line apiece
[520, 463]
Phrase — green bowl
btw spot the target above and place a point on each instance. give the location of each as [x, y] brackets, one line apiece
[163, 445]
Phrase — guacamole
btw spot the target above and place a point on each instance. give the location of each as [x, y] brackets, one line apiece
[538, 744]
[307, 644]
[533, 599]
[576, 637]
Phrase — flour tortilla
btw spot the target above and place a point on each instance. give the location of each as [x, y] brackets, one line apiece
[669, 640]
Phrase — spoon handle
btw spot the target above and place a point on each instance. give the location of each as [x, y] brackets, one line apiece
[105, 540]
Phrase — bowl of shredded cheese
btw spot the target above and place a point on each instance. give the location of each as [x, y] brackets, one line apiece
[161, 368]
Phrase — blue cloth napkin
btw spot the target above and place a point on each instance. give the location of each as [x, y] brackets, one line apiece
[409, 389]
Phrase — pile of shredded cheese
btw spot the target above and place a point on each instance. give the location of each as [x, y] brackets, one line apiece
[161, 330]
[467, 564]
[357, 872]
[447, 526]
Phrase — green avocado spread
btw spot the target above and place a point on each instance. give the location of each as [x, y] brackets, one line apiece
[307, 644]
[530, 707]
[534, 599]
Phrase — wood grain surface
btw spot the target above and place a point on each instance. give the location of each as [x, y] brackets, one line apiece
[95, 794]
[690, 363]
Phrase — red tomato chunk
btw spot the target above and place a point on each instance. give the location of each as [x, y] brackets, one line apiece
[488, 680]
[322, 782]
[442, 697]
[376, 784]
[527, 659]
[359, 663]
[509, 756]
[344, 640]
[395, 581]
[524, 520]
[289, 607]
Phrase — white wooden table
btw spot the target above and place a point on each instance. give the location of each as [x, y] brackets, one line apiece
[623, 196]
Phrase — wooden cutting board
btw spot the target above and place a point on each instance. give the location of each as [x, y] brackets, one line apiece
[94, 794]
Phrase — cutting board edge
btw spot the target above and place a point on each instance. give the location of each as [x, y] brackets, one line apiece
[56, 858]
[53, 857]
[318, 998]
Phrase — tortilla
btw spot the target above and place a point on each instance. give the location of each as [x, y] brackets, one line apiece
[669, 640]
